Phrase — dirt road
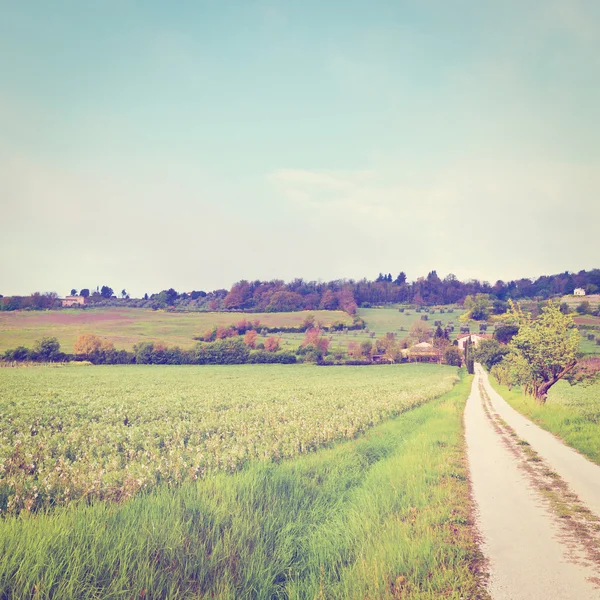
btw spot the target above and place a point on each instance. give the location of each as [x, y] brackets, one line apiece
[540, 540]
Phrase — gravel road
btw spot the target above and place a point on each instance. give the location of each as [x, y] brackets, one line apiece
[539, 539]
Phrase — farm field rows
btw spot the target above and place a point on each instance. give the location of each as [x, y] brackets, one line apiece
[128, 326]
[386, 515]
[111, 432]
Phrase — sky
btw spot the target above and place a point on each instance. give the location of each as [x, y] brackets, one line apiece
[147, 145]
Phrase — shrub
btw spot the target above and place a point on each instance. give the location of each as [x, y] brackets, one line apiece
[47, 349]
[222, 352]
[272, 344]
[19, 353]
[584, 308]
[424, 317]
[262, 357]
[453, 356]
[250, 338]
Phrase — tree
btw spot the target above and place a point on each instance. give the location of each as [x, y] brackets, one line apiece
[85, 292]
[250, 338]
[453, 356]
[401, 278]
[505, 333]
[47, 348]
[584, 308]
[272, 344]
[73, 292]
[313, 337]
[490, 353]
[478, 307]
[420, 331]
[123, 293]
[547, 346]
[106, 292]
[469, 358]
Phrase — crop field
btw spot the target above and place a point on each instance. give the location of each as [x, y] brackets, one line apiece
[128, 326]
[385, 514]
[72, 433]
[570, 412]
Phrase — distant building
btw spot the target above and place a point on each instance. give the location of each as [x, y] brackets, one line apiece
[424, 352]
[579, 292]
[474, 337]
[74, 301]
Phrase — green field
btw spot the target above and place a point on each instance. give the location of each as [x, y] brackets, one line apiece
[382, 515]
[380, 321]
[111, 432]
[128, 326]
[570, 412]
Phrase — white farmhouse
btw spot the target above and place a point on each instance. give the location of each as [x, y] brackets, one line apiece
[579, 292]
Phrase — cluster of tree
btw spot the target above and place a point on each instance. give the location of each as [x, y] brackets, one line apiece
[91, 348]
[342, 294]
[35, 301]
[535, 351]
[245, 327]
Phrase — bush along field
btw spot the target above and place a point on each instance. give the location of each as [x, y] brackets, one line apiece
[385, 515]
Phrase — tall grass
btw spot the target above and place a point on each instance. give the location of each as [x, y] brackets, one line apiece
[570, 412]
[383, 516]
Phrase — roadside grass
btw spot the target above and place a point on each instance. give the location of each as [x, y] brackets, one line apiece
[383, 516]
[128, 326]
[570, 412]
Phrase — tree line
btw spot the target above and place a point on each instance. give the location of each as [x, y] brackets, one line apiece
[341, 294]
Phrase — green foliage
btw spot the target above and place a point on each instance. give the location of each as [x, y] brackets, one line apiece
[543, 352]
[47, 349]
[477, 307]
[490, 353]
[453, 356]
[263, 357]
[20, 353]
[505, 333]
[469, 357]
[231, 351]
[584, 308]
[106, 292]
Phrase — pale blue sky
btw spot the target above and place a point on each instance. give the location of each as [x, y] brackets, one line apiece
[192, 144]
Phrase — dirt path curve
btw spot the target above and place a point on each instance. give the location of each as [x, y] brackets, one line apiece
[532, 552]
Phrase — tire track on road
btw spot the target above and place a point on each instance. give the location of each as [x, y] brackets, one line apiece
[539, 540]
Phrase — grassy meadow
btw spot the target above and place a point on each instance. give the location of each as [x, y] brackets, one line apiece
[382, 320]
[570, 412]
[128, 326]
[382, 515]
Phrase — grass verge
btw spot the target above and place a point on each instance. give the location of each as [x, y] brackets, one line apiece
[383, 516]
[571, 413]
